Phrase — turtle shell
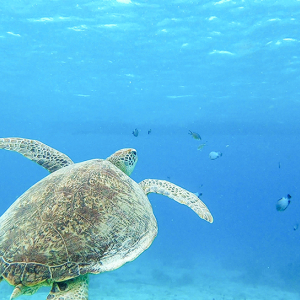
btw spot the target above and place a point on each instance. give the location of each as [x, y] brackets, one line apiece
[88, 217]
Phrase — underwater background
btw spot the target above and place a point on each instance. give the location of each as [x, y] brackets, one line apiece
[80, 76]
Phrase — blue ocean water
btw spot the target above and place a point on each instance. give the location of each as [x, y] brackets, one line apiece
[81, 76]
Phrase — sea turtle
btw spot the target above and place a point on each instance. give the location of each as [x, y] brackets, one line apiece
[83, 218]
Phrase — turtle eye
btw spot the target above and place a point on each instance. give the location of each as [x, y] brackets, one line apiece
[134, 152]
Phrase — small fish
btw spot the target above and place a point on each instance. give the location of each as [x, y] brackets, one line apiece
[283, 203]
[198, 194]
[200, 147]
[279, 165]
[149, 131]
[214, 155]
[195, 135]
[296, 226]
[135, 132]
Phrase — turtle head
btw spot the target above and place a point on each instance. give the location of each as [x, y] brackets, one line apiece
[124, 159]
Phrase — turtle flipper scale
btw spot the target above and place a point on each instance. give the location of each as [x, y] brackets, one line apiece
[178, 194]
[72, 289]
[38, 152]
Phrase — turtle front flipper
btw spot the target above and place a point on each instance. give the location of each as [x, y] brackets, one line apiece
[38, 152]
[72, 289]
[178, 194]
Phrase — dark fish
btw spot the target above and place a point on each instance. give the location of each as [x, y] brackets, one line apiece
[149, 131]
[279, 165]
[296, 226]
[283, 203]
[195, 135]
[198, 194]
[135, 132]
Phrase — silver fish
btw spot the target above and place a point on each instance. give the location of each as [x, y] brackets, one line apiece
[283, 203]
[214, 155]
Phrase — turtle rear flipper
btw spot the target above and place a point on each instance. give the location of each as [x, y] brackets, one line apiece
[72, 289]
[178, 194]
[21, 289]
[38, 152]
